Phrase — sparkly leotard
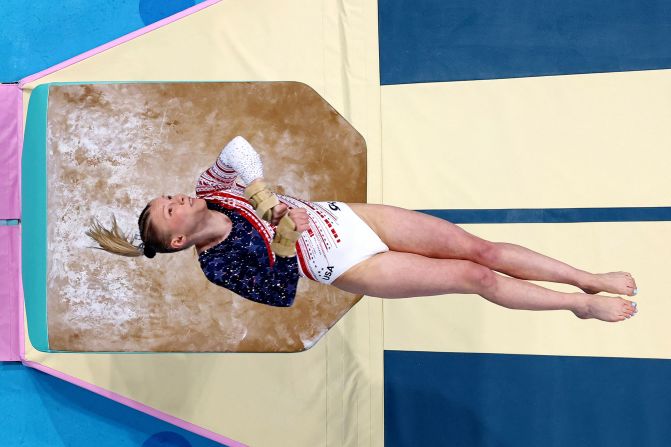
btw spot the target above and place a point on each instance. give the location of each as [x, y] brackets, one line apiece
[335, 240]
[241, 263]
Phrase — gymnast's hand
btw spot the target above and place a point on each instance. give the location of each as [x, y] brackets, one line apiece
[300, 218]
[298, 215]
[278, 212]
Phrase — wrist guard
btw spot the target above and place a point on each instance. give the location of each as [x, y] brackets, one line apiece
[262, 199]
[284, 242]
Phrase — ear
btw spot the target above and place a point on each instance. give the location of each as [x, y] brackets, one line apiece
[178, 241]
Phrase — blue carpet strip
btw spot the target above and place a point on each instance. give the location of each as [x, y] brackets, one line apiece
[553, 215]
[494, 400]
[438, 40]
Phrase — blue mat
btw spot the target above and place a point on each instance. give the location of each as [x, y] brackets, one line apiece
[38, 34]
[37, 409]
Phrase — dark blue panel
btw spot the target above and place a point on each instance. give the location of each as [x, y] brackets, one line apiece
[37, 34]
[37, 409]
[438, 40]
[554, 215]
[485, 400]
[152, 11]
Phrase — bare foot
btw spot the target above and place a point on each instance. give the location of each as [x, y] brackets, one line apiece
[621, 283]
[605, 308]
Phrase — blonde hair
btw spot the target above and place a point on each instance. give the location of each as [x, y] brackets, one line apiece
[114, 240]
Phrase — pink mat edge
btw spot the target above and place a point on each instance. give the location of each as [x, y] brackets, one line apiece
[12, 351]
[15, 313]
[118, 41]
[22, 339]
[15, 90]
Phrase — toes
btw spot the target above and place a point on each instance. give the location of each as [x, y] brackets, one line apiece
[631, 284]
[630, 309]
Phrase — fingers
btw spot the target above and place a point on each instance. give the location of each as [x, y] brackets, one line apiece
[298, 215]
[300, 221]
[279, 211]
[300, 218]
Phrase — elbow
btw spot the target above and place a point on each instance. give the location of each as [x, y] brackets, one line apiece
[234, 145]
[239, 139]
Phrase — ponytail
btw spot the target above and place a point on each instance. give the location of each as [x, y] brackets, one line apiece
[113, 240]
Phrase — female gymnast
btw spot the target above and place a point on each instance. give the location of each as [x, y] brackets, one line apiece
[257, 244]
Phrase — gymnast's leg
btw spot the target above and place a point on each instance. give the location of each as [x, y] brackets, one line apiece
[413, 232]
[401, 275]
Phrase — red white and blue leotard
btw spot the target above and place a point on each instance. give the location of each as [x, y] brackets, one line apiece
[244, 263]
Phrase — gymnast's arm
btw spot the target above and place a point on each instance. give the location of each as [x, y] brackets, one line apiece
[238, 158]
[245, 274]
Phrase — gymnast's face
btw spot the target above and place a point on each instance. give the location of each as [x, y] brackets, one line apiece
[179, 217]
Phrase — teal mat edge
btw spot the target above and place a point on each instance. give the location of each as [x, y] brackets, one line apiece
[34, 215]
[34, 218]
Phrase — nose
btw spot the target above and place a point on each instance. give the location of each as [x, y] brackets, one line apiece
[179, 199]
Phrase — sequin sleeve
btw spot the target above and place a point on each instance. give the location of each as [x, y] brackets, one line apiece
[275, 286]
[242, 265]
[238, 158]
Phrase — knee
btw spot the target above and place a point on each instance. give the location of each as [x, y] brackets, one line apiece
[487, 253]
[479, 278]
